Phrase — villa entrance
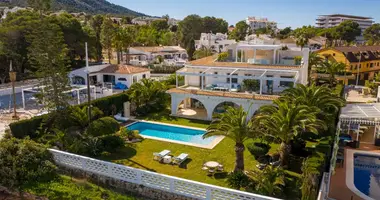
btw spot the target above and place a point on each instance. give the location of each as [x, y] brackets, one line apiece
[192, 108]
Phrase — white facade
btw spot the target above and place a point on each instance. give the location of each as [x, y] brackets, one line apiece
[258, 23]
[216, 42]
[328, 21]
[97, 76]
[172, 55]
[212, 83]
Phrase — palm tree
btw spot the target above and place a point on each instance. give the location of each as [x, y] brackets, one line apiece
[148, 95]
[301, 40]
[314, 61]
[268, 182]
[201, 53]
[233, 124]
[320, 97]
[79, 117]
[332, 68]
[285, 120]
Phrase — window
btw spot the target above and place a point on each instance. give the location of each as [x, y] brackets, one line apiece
[286, 83]
[367, 65]
[233, 80]
[333, 54]
[247, 74]
[378, 64]
[360, 66]
[134, 79]
[352, 67]
[144, 76]
[371, 65]
[122, 79]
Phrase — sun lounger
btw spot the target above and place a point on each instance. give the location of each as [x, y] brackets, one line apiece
[159, 156]
[181, 158]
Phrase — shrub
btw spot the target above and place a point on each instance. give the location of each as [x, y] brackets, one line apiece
[110, 105]
[312, 171]
[112, 143]
[237, 180]
[102, 126]
[127, 134]
[27, 127]
[24, 162]
[93, 146]
[222, 56]
[251, 85]
[258, 149]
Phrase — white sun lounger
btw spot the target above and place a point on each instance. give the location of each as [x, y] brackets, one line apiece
[179, 159]
[159, 156]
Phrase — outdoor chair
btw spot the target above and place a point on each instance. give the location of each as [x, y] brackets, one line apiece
[159, 156]
[180, 159]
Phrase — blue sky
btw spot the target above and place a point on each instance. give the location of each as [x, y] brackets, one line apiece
[292, 13]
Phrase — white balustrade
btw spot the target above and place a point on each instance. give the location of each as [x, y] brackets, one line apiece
[154, 180]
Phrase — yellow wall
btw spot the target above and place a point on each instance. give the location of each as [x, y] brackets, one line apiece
[352, 67]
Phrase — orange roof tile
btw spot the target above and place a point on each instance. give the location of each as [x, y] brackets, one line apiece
[123, 69]
[223, 94]
[210, 61]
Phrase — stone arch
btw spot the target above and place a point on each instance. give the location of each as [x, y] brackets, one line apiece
[191, 107]
[221, 107]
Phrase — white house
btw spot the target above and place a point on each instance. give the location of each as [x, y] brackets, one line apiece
[109, 73]
[171, 55]
[216, 42]
[251, 76]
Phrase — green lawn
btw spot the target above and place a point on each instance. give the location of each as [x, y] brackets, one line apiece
[140, 155]
[68, 188]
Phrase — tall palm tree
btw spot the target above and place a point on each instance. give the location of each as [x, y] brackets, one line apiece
[315, 60]
[233, 124]
[269, 181]
[332, 68]
[320, 97]
[285, 120]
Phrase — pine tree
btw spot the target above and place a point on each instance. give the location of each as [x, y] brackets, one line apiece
[48, 54]
[106, 36]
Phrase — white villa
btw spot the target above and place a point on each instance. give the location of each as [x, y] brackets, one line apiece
[253, 75]
[171, 55]
[258, 23]
[109, 74]
[216, 42]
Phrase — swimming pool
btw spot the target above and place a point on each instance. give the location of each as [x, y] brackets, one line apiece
[367, 174]
[173, 133]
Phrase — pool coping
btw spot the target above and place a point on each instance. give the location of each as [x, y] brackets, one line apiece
[215, 142]
[350, 172]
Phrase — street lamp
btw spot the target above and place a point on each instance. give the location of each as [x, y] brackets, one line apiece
[12, 77]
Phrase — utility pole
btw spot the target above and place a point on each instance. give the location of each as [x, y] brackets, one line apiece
[88, 86]
[357, 75]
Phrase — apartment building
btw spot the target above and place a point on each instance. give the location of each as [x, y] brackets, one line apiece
[258, 23]
[328, 21]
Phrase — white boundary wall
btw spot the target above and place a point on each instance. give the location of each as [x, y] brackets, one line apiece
[158, 181]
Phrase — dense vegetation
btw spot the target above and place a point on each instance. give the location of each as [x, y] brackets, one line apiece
[87, 6]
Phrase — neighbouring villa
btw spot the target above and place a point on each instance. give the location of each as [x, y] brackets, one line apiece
[218, 42]
[251, 76]
[171, 55]
[121, 76]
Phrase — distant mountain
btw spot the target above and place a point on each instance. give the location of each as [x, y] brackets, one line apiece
[87, 6]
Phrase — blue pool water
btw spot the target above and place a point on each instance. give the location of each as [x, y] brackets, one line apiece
[171, 132]
[367, 175]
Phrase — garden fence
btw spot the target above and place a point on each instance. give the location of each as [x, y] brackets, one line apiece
[158, 181]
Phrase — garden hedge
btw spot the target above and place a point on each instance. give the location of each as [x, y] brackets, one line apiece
[109, 105]
[103, 126]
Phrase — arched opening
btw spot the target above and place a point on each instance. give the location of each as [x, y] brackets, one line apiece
[222, 107]
[78, 80]
[192, 108]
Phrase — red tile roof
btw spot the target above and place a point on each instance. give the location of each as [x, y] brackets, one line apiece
[123, 69]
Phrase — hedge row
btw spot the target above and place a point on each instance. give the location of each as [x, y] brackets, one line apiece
[109, 105]
[312, 171]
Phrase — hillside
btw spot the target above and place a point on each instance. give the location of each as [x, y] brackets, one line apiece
[87, 6]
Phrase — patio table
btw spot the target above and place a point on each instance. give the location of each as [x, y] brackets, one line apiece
[212, 164]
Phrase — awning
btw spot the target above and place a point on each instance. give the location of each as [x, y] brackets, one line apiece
[361, 114]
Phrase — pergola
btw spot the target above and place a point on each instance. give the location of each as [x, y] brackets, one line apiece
[258, 74]
[361, 114]
[244, 46]
[75, 88]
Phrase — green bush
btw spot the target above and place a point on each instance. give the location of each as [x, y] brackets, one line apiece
[258, 149]
[237, 180]
[222, 56]
[27, 127]
[112, 143]
[312, 171]
[103, 126]
[108, 105]
[24, 162]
